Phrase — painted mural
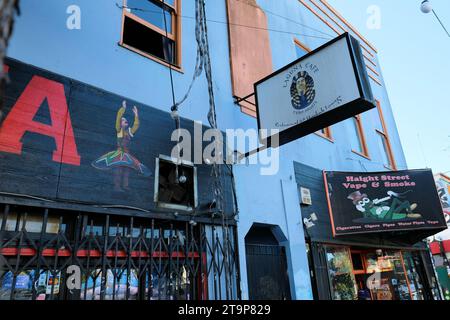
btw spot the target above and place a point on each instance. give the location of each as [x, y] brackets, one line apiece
[64, 140]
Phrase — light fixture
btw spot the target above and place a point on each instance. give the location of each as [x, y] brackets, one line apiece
[182, 179]
[174, 114]
[176, 214]
[193, 223]
[426, 6]
[308, 223]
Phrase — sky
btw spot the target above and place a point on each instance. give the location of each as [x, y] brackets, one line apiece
[414, 54]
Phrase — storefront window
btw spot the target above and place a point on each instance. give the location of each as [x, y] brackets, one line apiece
[33, 222]
[390, 281]
[369, 274]
[340, 271]
[415, 282]
[47, 285]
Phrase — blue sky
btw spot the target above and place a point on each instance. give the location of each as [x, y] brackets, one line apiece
[414, 53]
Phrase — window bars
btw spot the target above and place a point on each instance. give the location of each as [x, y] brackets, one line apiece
[48, 254]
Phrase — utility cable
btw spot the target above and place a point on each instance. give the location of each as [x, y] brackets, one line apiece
[328, 36]
[445, 29]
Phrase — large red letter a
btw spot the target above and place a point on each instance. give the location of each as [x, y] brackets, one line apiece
[20, 120]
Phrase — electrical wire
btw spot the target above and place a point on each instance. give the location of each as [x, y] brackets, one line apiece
[291, 20]
[242, 25]
[442, 24]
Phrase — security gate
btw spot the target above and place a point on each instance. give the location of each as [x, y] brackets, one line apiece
[267, 271]
[117, 257]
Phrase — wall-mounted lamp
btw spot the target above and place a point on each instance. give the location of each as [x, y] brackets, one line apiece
[309, 222]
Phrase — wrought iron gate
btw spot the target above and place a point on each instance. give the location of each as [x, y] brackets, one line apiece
[119, 258]
[267, 272]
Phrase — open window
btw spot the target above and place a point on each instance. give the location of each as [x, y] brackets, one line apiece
[152, 29]
[175, 184]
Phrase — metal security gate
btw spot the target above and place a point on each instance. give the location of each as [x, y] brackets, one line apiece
[117, 257]
[267, 272]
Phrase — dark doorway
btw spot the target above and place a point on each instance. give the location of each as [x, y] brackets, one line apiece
[267, 272]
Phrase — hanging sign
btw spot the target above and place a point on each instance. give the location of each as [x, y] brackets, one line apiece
[383, 201]
[326, 86]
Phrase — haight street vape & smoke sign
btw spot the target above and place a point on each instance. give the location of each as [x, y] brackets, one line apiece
[382, 202]
[326, 86]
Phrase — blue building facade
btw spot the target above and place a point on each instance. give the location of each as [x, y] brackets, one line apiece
[269, 210]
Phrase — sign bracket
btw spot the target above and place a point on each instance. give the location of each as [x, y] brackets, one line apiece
[238, 100]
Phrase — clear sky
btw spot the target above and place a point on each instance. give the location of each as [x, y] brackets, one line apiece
[414, 53]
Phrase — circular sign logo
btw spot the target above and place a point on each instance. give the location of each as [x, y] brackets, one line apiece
[302, 90]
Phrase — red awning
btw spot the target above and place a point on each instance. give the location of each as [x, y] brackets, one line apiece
[435, 248]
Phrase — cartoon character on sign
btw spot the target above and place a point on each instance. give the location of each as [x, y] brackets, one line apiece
[120, 160]
[302, 91]
[380, 209]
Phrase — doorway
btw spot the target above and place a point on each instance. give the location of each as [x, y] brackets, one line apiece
[267, 272]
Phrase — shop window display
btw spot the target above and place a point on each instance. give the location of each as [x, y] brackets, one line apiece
[368, 274]
[392, 283]
[415, 283]
[47, 285]
[33, 222]
[159, 287]
[340, 271]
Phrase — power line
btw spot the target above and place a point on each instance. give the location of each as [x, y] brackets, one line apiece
[240, 25]
[435, 14]
[296, 22]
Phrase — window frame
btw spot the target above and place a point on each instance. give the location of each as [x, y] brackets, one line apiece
[301, 45]
[327, 135]
[173, 206]
[362, 138]
[384, 134]
[175, 35]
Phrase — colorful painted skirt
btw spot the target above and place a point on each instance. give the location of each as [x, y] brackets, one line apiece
[119, 158]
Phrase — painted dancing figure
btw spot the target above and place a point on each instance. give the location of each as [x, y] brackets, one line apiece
[120, 160]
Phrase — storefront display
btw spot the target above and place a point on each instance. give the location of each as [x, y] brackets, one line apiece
[47, 284]
[367, 274]
[342, 280]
